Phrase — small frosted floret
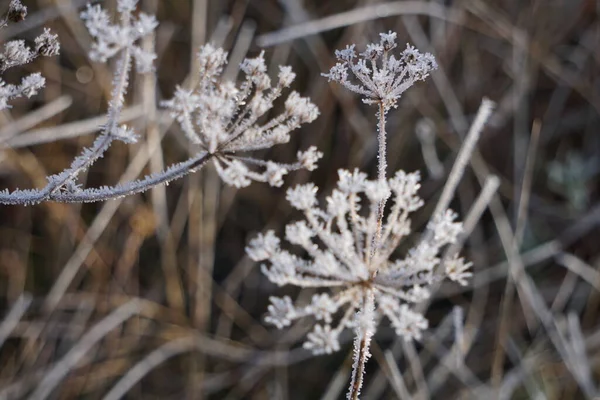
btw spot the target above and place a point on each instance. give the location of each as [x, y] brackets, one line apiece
[47, 44]
[341, 262]
[17, 12]
[379, 76]
[322, 340]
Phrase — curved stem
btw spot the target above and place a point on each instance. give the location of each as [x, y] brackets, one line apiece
[125, 189]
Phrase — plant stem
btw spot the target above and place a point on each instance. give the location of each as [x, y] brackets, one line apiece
[381, 175]
[359, 372]
[381, 138]
[362, 343]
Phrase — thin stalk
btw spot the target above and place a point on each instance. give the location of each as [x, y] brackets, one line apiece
[359, 372]
[381, 138]
[362, 343]
[381, 175]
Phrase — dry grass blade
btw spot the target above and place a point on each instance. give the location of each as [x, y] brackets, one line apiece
[360, 15]
[53, 377]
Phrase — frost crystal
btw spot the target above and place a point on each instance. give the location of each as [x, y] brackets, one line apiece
[380, 77]
[339, 240]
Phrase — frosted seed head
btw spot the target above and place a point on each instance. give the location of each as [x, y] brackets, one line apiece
[301, 108]
[17, 12]
[412, 324]
[47, 44]
[145, 24]
[211, 60]
[281, 312]
[275, 173]
[351, 182]
[381, 80]
[457, 270]
[377, 191]
[263, 247]
[15, 53]
[144, 60]
[299, 233]
[308, 159]
[234, 174]
[126, 6]
[444, 228]
[337, 73]
[254, 66]
[302, 197]
[322, 340]
[347, 54]
[405, 187]
[31, 84]
[337, 203]
[418, 294]
[388, 40]
[322, 307]
[373, 51]
[286, 76]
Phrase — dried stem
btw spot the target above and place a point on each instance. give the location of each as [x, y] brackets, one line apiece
[359, 372]
[381, 175]
[362, 343]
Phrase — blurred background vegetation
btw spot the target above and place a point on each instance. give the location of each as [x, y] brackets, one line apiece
[67, 271]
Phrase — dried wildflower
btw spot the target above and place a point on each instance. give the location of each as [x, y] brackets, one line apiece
[218, 117]
[223, 119]
[16, 53]
[381, 78]
[338, 241]
[110, 38]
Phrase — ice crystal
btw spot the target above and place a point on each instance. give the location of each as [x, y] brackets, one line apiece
[338, 242]
[380, 77]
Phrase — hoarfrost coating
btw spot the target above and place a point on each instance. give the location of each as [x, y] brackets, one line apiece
[220, 119]
[338, 241]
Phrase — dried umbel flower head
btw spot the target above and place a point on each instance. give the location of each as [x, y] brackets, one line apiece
[380, 77]
[111, 38]
[220, 118]
[16, 53]
[224, 119]
[339, 240]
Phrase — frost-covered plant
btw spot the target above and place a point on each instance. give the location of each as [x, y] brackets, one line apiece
[338, 242]
[351, 247]
[380, 77]
[222, 120]
[15, 53]
[110, 40]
